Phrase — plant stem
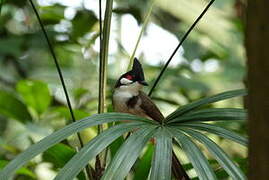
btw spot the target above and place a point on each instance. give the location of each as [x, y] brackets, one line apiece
[179, 45]
[104, 56]
[104, 45]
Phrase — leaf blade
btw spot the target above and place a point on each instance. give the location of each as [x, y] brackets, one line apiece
[219, 155]
[212, 114]
[12, 107]
[35, 94]
[196, 157]
[58, 136]
[161, 163]
[220, 131]
[128, 153]
[94, 147]
[207, 100]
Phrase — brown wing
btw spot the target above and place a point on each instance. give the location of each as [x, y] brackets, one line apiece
[150, 108]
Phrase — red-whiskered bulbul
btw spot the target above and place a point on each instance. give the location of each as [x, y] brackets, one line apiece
[128, 97]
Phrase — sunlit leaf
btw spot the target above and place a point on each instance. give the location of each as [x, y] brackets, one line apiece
[63, 111]
[35, 94]
[52, 14]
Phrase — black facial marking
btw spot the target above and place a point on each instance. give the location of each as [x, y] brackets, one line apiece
[132, 102]
[136, 74]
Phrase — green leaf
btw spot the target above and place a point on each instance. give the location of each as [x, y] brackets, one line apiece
[93, 148]
[62, 134]
[35, 94]
[220, 131]
[143, 167]
[12, 107]
[82, 23]
[126, 156]
[205, 101]
[59, 155]
[114, 147]
[134, 11]
[52, 14]
[21, 171]
[64, 112]
[219, 154]
[212, 114]
[16, 42]
[195, 155]
[162, 160]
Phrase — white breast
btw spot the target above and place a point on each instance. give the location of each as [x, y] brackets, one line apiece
[120, 97]
[119, 100]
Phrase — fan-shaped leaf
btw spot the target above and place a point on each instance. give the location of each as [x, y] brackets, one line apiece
[220, 131]
[128, 153]
[94, 147]
[212, 114]
[161, 163]
[205, 101]
[195, 155]
[143, 167]
[60, 135]
[219, 154]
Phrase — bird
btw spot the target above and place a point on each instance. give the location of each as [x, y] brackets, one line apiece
[128, 97]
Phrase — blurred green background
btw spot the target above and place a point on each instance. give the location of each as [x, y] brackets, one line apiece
[32, 103]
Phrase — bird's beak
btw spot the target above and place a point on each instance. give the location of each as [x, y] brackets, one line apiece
[143, 83]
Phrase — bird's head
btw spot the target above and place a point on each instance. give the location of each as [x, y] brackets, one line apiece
[134, 79]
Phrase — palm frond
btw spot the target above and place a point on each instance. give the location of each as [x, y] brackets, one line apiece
[205, 101]
[231, 168]
[162, 160]
[196, 157]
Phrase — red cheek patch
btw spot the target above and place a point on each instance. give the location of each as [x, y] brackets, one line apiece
[129, 77]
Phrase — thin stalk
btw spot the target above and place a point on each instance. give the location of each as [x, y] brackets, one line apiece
[140, 34]
[104, 56]
[100, 61]
[98, 164]
[179, 45]
[104, 46]
[59, 73]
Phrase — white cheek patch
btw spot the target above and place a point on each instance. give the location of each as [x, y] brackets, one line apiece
[125, 81]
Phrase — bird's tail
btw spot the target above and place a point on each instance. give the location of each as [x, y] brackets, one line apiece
[177, 169]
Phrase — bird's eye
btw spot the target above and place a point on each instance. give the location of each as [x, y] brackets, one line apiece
[129, 77]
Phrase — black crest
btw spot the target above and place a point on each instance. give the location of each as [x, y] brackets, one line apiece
[136, 74]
